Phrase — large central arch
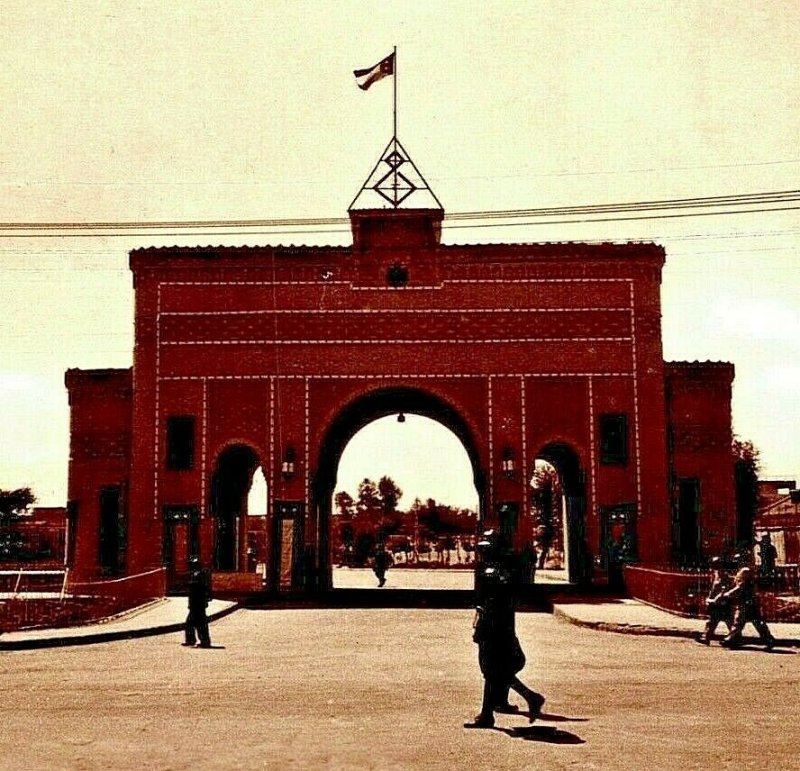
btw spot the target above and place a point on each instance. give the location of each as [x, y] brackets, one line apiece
[351, 419]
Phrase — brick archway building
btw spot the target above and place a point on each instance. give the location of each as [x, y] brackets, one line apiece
[276, 356]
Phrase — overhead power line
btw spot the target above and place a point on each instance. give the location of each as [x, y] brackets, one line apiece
[749, 203]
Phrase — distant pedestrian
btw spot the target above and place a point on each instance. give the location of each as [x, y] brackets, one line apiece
[199, 596]
[500, 655]
[381, 563]
[744, 600]
[719, 607]
[768, 555]
[544, 540]
[527, 560]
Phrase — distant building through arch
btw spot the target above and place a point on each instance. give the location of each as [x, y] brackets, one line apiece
[275, 356]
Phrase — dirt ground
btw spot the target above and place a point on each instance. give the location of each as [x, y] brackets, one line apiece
[390, 689]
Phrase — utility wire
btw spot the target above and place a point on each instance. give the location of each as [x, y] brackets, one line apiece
[687, 208]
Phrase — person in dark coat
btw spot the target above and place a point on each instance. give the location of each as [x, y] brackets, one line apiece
[769, 556]
[500, 655]
[199, 595]
[381, 563]
[719, 608]
[744, 600]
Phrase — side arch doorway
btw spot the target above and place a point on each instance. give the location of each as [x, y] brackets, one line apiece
[238, 517]
[559, 527]
[397, 402]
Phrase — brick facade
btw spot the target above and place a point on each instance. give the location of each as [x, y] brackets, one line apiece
[279, 355]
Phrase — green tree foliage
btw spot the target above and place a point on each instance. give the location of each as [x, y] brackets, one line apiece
[390, 494]
[14, 503]
[438, 520]
[746, 468]
[368, 502]
[545, 497]
[360, 523]
[345, 505]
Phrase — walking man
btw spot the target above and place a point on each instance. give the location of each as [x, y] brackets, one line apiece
[500, 655]
[719, 608]
[383, 560]
[745, 608]
[199, 595]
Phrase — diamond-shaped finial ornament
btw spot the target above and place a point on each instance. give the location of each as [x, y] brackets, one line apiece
[395, 184]
[395, 187]
[394, 159]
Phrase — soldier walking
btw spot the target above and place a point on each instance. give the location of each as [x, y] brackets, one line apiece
[719, 608]
[381, 563]
[744, 599]
[500, 655]
[196, 626]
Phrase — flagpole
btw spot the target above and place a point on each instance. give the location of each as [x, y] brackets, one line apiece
[395, 94]
[394, 134]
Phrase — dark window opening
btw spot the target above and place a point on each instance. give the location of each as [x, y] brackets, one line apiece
[113, 532]
[71, 534]
[397, 275]
[180, 443]
[688, 535]
[181, 538]
[614, 439]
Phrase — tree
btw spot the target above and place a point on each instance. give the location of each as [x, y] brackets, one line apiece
[343, 530]
[746, 467]
[345, 505]
[390, 494]
[13, 503]
[545, 496]
[368, 502]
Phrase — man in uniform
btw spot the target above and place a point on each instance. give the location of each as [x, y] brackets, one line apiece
[381, 563]
[719, 609]
[199, 596]
[769, 556]
[500, 655]
[745, 608]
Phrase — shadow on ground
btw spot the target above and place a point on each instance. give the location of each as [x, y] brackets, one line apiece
[561, 718]
[543, 733]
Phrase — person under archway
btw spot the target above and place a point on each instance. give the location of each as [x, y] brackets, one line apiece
[381, 562]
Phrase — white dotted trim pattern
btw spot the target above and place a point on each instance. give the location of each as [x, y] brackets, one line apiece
[351, 285]
[394, 376]
[490, 420]
[526, 472]
[393, 311]
[592, 453]
[384, 341]
[634, 368]
[157, 418]
[271, 474]
[203, 451]
[307, 428]
[405, 311]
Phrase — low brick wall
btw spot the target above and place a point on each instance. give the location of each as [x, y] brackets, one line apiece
[674, 590]
[83, 602]
[685, 593]
[236, 583]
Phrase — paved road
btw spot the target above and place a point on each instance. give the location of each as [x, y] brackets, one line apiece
[422, 578]
[389, 689]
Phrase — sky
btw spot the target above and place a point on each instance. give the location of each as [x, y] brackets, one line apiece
[146, 111]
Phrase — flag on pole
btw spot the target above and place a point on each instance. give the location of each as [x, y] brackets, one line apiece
[365, 78]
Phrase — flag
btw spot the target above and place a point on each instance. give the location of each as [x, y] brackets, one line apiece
[365, 78]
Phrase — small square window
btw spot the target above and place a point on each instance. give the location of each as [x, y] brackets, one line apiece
[180, 443]
[614, 439]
